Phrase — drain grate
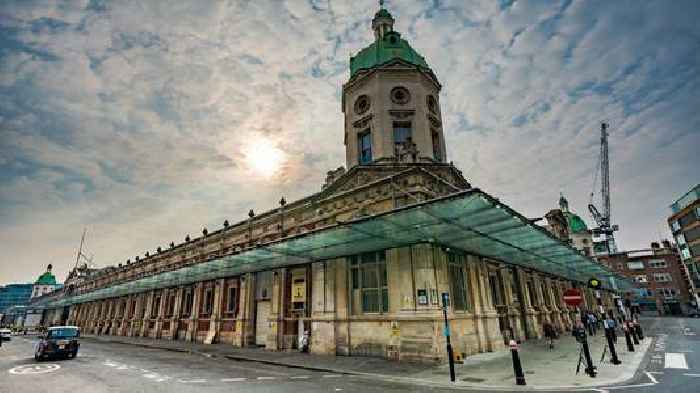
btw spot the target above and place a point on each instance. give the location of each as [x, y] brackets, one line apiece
[471, 379]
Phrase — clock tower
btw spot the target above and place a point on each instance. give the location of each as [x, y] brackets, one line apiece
[391, 102]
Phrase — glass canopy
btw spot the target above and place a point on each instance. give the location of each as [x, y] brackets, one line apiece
[471, 221]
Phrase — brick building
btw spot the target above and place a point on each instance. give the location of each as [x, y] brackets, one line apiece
[660, 282]
[685, 226]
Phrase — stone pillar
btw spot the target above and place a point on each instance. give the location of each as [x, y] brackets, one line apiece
[147, 315]
[323, 307]
[215, 317]
[533, 330]
[161, 312]
[274, 339]
[177, 311]
[194, 315]
[485, 314]
[246, 321]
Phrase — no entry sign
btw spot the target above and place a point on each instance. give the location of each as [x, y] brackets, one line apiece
[572, 297]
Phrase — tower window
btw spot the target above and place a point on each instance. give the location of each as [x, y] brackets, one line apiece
[436, 146]
[400, 95]
[364, 146]
[402, 132]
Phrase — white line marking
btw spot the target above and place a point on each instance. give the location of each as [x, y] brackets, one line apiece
[331, 376]
[651, 377]
[266, 378]
[628, 386]
[300, 377]
[192, 380]
[233, 379]
[692, 375]
[655, 372]
[675, 360]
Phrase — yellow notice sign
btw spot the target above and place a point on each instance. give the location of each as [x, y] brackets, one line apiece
[299, 291]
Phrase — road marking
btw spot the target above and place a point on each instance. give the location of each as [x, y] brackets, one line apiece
[692, 375]
[233, 379]
[300, 377]
[675, 360]
[26, 369]
[331, 376]
[192, 380]
[266, 378]
[651, 377]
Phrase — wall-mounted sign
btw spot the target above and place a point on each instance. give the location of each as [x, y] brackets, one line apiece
[299, 291]
[422, 297]
[433, 296]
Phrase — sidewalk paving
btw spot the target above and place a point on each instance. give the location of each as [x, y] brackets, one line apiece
[543, 368]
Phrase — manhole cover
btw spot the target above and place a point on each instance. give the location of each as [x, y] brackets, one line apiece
[469, 379]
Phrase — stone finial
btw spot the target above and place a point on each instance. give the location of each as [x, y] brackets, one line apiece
[226, 224]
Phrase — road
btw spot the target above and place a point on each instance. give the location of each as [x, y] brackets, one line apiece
[673, 365]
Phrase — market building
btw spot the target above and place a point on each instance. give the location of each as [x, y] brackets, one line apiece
[362, 264]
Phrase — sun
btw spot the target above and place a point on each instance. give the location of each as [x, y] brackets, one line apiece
[263, 157]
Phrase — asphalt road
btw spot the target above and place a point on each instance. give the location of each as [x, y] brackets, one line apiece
[104, 367]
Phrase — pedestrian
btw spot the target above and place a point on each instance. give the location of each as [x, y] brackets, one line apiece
[550, 334]
[590, 323]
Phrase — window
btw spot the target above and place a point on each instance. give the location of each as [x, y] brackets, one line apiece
[232, 300]
[686, 219]
[635, 265]
[458, 286]
[171, 305]
[208, 301]
[667, 292]
[692, 234]
[437, 152]
[662, 277]
[657, 263]
[187, 303]
[364, 147]
[155, 311]
[641, 278]
[680, 239]
[685, 253]
[675, 226]
[402, 133]
[369, 289]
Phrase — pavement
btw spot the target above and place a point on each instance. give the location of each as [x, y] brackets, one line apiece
[119, 364]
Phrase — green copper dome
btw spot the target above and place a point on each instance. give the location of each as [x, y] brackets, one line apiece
[576, 223]
[47, 278]
[388, 45]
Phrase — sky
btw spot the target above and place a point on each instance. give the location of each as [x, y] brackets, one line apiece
[146, 121]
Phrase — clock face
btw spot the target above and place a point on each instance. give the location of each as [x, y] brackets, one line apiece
[362, 104]
[400, 95]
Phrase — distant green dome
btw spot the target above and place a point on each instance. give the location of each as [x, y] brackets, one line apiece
[47, 278]
[576, 223]
[383, 13]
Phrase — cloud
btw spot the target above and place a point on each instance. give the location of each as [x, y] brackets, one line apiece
[133, 118]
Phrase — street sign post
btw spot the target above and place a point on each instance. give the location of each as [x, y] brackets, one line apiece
[573, 297]
[445, 304]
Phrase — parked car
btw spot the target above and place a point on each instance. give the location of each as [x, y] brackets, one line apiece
[5, 334]
[59, 341]
[694, 313]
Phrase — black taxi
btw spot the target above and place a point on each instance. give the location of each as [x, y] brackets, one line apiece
[59, 341]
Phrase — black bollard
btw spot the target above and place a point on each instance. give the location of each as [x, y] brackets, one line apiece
[590, 368]
[517, 367]
[633, 333]
[611, 346]
[638, 330]
[628, 339]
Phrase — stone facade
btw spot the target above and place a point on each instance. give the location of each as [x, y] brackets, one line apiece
[382, 303]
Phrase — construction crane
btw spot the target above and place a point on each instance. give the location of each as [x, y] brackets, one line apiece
[604, 227]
